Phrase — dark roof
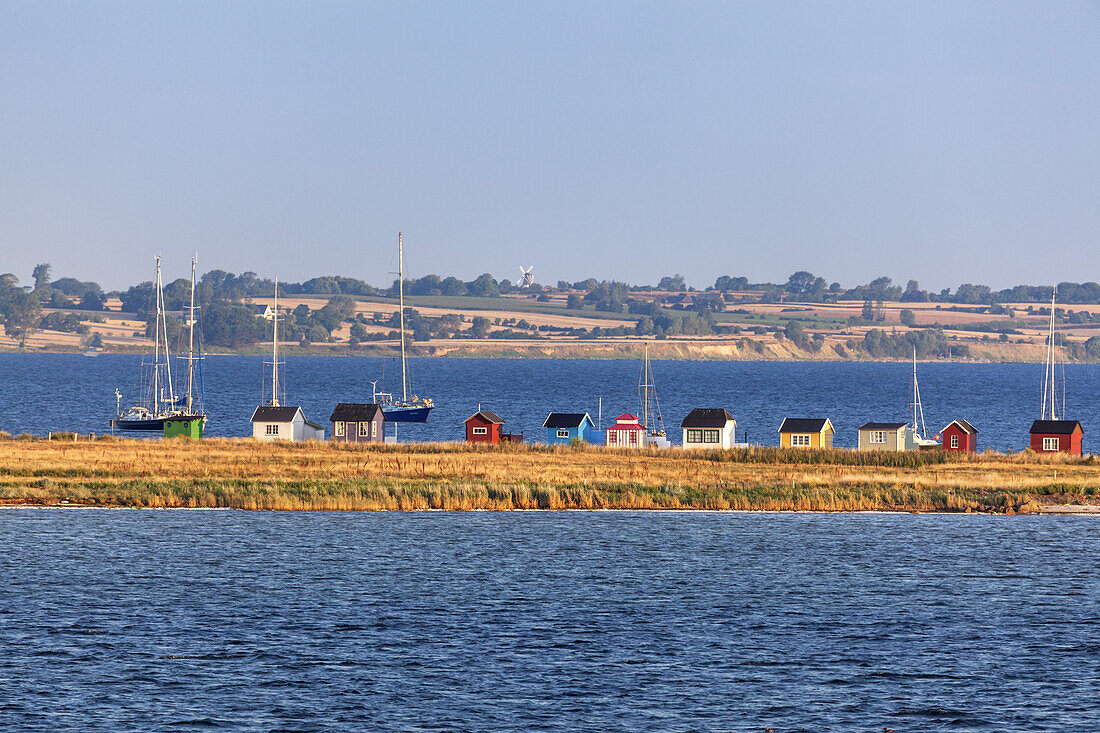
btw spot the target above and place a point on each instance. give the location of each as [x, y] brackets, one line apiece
[966, 426]
[565, 419]
[803, 424]
[1056, 427]
[354, 412]
[487, 416]
[883, 425]
[314, 425]
[706, 417]
[267, 413]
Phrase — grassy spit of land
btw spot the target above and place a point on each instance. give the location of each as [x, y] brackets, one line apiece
[245, 474]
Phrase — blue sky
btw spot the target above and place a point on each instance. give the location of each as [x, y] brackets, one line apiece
[944, 141]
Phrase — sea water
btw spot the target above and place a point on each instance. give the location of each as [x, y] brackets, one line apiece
[124, 620]
[41, 393]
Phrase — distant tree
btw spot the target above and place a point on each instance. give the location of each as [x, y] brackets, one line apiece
[726, 283]
[673, 283]
[796, 333]
[479, 327]
[41, 275]
[586, 285]
[913, 293]
[868, 313]
[21, 312]
[301, 311]
[574, 302]
[343, 305]
[804, 286]
[93, 300]
[96, 341]
[452, 286]
[484, 286]
[908, 317]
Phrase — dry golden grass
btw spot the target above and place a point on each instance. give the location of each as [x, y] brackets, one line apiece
[246, 474]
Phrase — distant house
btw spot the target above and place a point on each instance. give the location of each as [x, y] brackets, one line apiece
[565, 427]
[263, 311]
[681, 302]
[806, 432]
[488, 427]
[626, 432]
[961, 437]
[358, 423]
[891, 436]
[1057, 436]
[284, 423]
[708, 427]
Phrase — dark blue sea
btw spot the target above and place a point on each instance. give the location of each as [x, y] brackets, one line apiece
[186, 620]
[41, 393]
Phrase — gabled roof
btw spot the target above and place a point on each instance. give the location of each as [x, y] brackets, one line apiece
[626, 416]
[625, 426]
[1056, 427]
[566, 419]
[804, 424]
[883, 425]
[283, 413]
[314, 425]
[355, 412]
[486, 415]
[965, 426]
[707, 417]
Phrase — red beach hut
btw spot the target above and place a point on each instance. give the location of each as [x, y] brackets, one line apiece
[1057, 436]
[960, 437]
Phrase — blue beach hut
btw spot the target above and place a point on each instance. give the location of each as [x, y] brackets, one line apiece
[563, 427]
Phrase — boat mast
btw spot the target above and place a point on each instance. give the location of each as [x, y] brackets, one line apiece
[645, 389]
[918, 408]
[191, 340]
[1048, 368]
[275, 348]
[401, 308]
[156, 341]
[164, 333]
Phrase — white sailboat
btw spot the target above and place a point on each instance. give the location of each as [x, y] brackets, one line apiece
[915, 437]
[654, 434]
[1049, 409]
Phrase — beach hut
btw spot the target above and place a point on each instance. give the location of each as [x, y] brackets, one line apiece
[892, 436]
[806, 432]
[960, 437]
[708, 427]
[486, 426]
[284, 423]
[626, 432]
[358, 423]
[562, 428]
[1057, 436]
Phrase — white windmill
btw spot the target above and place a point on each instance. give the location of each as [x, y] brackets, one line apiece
[528, 278]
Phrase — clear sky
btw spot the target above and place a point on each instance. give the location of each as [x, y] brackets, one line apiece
[948, 142]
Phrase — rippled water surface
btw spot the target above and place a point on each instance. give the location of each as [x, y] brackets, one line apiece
[193, 620]
[40, 393]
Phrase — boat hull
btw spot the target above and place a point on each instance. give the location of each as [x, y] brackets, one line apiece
[406, 414]
[144, 424]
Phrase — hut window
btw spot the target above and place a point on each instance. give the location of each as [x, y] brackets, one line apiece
[954, 441]
[272, 429]
[710, 436]
[1050, 443]
[695, 436]
[480, 431]
[634, 437]
[338, 428]
[800, 441]
[374, 430]
[563, 433]
[878, 436]
[364, 430]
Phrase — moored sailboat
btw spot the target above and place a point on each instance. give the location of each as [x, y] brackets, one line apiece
[917, 437]
[654, 433]
[406, 409]
[157, 399]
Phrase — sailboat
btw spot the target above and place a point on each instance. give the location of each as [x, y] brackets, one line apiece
[918, 441]
[406, 409]
[158, 398]
[654, 434]
[1049, 409]
[192, 419]
[273, 420]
